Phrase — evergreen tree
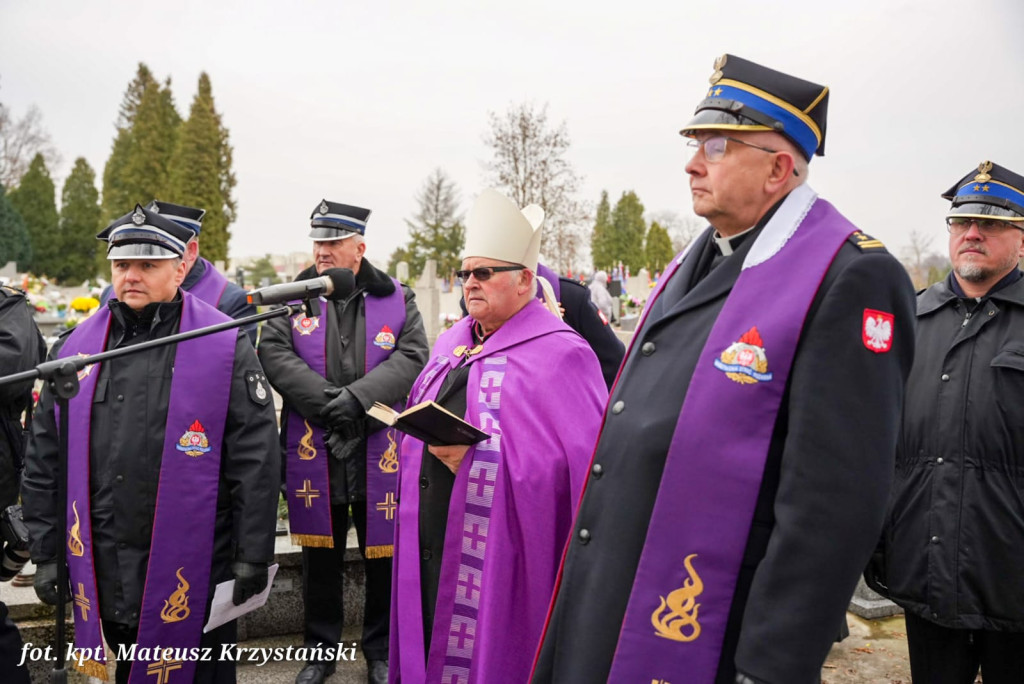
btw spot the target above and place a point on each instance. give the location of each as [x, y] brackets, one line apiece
[658, 248]
[399, 255]
[154, 134]
[628, 231]
[119, 191]
[14, 242]
[34, 199]
[260, 269]
[601, 240]
[201, 174]
[79, 223]
[436, 232]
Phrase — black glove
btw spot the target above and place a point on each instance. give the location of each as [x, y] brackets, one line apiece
[874, 574]
[45, 582]
[250, 579]
[343, 413]
[341, 447]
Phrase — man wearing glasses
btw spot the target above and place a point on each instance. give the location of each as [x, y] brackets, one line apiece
[739, 482]
[954, 543]
[481, 528]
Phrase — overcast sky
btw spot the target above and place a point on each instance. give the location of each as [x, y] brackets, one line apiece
[359, 101]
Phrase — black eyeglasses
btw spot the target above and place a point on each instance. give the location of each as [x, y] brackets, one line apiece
[484, 273]
[957, 225]
[714, 147]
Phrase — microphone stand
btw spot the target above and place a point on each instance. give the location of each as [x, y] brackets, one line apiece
[61, 376]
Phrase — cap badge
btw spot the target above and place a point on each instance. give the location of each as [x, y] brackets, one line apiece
[155, 209]
[324, 208]
[983, 168]
[138, 218]
[717, 75]
[744, 361]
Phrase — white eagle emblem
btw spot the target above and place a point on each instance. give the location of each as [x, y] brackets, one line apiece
[877, 333]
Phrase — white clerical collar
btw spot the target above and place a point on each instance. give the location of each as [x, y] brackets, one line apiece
[725, 243]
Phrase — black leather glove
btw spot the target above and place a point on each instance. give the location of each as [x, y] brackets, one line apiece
[250, 579]
[343, 413]
[341, 447]
[45, 583]
[874, 574]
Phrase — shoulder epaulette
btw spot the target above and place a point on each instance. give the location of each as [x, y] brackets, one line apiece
[865, 242]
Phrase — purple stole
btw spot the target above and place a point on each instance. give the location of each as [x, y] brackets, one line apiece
[178, 573]
[511, 506]
[552, 278]
[308, 479]
[210, 286]
[679, 605]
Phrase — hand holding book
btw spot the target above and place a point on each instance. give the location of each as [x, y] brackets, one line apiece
[430, 423]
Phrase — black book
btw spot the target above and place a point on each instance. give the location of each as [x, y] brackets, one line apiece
[429, 423]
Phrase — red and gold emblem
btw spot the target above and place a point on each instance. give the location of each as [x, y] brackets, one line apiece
[385, 339]
[877, 331]
[194, 441]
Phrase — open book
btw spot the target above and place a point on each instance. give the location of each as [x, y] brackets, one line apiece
[430, 423]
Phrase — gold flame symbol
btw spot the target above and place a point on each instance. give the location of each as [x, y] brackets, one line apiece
[389, 459]
[682, 607]
[75, 545]
[307, 452]
[176, 606]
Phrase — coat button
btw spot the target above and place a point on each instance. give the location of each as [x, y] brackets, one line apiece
[618, 407]
[119, 478]
[426, 555]
[584, 536]
[939, 460]
[648, 348]
[596, 470]
[424, 483]
[120, 397]
[935, 540]
[945, 377]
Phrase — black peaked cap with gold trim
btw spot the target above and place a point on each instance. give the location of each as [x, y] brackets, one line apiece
[745, 96]
[988, 191]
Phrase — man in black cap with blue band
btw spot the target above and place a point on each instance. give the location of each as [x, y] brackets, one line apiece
[202, 279]
[367, 346]
[740, 477]
[954, 543]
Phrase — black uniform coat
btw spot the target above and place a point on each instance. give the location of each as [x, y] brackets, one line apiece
[129, 416]
[955, 534]
[827, 477]
[302, 388]
[21, 349]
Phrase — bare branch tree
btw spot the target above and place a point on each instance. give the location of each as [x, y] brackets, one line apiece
[20, 141]
[529, 165]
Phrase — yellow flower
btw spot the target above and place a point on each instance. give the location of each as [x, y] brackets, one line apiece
[85, 304]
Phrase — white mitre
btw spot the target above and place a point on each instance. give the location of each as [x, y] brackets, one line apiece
[497, 229]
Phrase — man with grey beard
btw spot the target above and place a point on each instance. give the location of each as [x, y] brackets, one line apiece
[954, 542]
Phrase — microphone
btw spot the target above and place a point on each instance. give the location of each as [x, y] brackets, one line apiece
[334, 283]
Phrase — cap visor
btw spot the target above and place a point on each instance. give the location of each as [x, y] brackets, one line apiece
[140, 250]
[983, 210]
[329, 234]
[720, 120]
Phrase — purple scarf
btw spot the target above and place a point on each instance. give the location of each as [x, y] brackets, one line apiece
[178, 573]
[512, 502]
[679, 606]
[210, 286]
[309, 496]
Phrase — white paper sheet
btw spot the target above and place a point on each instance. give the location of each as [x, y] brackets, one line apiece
[222, 610]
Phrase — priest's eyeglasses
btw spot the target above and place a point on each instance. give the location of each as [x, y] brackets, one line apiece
[714, 147]
[959, 225]
[484, 273]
